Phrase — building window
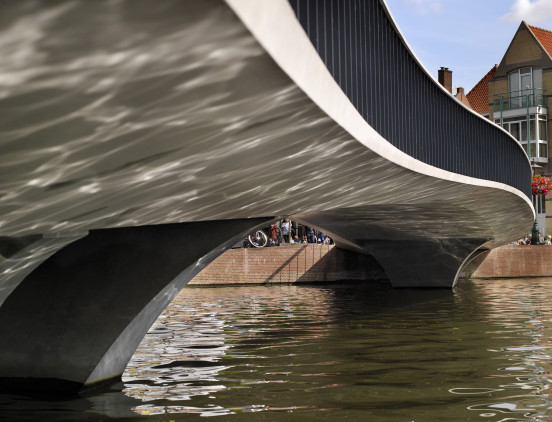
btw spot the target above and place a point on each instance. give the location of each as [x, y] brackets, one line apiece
[517, 127]
[542, 128]
[522, 111]
[539, 202]
[524, 90]
[525, 87]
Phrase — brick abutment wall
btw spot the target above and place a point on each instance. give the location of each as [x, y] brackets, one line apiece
[512, 261]
[289, 264]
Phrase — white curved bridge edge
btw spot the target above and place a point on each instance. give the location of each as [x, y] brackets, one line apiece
[275, 26]
[441, 87]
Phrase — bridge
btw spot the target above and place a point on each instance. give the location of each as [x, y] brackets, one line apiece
[142, 139]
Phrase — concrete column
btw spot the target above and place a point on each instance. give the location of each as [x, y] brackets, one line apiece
[424, 263]
[78, 318]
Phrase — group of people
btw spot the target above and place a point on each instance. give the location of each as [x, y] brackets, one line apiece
[310, 235]
[543, 240]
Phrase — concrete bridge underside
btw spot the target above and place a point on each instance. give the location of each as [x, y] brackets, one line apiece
[133, 158]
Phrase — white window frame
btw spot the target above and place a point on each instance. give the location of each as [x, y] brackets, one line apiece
[535, 140]
[517, 95]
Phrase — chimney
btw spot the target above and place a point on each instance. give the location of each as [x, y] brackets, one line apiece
[445, 78]
[461, 96]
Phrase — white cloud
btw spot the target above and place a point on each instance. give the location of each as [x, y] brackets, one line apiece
[530, 11]
[425, 6]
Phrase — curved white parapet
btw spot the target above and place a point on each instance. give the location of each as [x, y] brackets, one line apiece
[135, 155]
[275, 26]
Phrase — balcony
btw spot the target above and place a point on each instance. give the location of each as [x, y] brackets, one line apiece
[533, 100]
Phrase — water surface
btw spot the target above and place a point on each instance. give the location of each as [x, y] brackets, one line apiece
[479, 353]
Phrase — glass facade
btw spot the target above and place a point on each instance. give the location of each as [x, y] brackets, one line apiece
[522, 111]
[536, 132]
[524, 90]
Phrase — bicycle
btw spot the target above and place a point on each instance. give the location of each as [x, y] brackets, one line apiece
[260, 239]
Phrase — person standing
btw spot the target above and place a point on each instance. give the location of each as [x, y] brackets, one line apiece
[286, 228]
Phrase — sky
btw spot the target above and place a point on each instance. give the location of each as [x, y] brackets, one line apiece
[467, 36]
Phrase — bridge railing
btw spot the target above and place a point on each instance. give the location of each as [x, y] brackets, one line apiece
[368, 58]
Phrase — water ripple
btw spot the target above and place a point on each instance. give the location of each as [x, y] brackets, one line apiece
[358, 356]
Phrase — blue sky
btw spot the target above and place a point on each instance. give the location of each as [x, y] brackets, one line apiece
[467, 36]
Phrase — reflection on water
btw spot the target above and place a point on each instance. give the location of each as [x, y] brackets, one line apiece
[481, 352]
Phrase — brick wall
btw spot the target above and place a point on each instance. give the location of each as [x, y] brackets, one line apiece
[513, 261]
[289, 264]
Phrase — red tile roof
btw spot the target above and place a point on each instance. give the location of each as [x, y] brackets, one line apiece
[544, 36]
[479, 95]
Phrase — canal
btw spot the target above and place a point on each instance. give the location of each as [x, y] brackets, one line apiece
[338, 352]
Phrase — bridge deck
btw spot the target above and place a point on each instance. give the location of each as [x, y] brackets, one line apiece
[135, 155]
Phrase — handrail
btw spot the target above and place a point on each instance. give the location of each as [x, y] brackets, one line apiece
[523, 98]
[521, 91]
